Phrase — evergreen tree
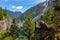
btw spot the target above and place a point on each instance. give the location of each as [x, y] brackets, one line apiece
[48, 17]
[57, 14]
[1, 13]
[4, 13]
[28, 27]
[14, 30]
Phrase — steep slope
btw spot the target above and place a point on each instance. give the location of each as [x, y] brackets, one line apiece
[4, 20]
[47, 6]
[34, 11]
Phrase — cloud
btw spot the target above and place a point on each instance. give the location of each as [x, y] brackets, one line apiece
[13, 7]
[17, 7]
[38, 1]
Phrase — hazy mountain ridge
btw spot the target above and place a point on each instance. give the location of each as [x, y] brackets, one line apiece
[13, 14]
[33, 12]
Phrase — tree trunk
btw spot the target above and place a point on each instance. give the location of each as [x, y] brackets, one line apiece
[29, 36]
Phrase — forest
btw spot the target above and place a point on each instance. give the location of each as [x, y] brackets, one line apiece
[44, 27]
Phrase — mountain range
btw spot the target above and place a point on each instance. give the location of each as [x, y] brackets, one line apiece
[33, 11]
[13, 14]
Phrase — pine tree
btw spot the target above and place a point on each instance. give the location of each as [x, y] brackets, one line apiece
[4, 13]
[1, 14]
[14, 30]
[28, 27]
[57, 14]
[49, 16]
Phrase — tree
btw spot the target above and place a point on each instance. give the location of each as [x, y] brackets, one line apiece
[28, 27]
[1, 14]
[48, 17]
[14, 30]
[57, 13]
[4, 13]
[11, 34]
[4, 34]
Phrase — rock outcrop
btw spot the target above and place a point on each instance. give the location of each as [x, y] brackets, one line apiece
[5, 24]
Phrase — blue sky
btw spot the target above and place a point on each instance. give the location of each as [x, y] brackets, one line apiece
[19, 5]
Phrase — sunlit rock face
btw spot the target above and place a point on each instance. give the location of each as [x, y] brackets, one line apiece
[50, 3]
[4, 24]
[20, 23]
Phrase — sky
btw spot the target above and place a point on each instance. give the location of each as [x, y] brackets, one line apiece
[19, 5]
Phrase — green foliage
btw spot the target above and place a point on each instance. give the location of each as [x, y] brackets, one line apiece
[1, 14]
[3, 34]
[4, 13]
[37, 36]
[11, 34]
[14, 30]
[25, 38]
[49, 16]
[28, 27]
[51, 19]
[8, 38]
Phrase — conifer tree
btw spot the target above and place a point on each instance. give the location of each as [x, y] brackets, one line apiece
[4, 13]
[1, 13]
[48, 17]
[28, 27]
[14, 30]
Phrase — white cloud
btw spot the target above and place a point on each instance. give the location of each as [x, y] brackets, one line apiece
[13, 7]
[19, 7]
[38, 1]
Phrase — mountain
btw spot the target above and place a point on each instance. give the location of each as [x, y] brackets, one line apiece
[47, 6]
[13, 14]
[33, 12]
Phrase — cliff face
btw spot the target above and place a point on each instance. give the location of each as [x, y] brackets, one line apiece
[50, 3]
[4, 24]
